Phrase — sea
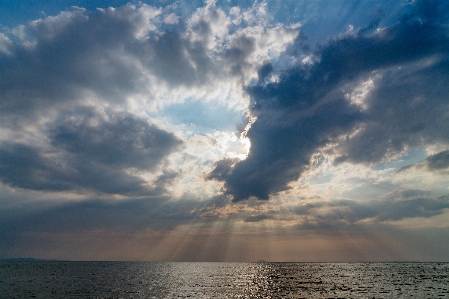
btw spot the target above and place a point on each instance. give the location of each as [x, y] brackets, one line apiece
[222, 280]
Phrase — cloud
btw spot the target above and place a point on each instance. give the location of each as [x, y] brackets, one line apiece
[340, 215]
[171, 19]
[155, 212]
[123, 56]
[258, 218]
[5, 43]
[118, 140]
[130, 125]
[93, 152]
[67, 58]
[158, 214]
[438, 162]
[369, 96]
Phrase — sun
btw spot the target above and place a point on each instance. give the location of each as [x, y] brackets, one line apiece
[246, 143]
[237, 147]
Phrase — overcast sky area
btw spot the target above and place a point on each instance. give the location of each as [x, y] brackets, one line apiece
[224, 130]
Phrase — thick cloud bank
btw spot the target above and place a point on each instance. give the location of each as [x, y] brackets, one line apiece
[364, 97]
[89, 152]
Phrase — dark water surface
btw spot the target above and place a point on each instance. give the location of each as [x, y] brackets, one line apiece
[223, 280]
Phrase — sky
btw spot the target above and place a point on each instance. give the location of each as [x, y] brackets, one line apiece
[306, 131]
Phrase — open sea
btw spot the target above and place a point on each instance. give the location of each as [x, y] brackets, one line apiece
[223, 280]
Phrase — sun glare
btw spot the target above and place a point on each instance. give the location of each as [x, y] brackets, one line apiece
[247, 143]
[237, 147]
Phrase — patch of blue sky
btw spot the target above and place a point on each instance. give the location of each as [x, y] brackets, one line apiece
[202, 117]
[361, 184]
[315, 16]
[413, 156]
[14, 13]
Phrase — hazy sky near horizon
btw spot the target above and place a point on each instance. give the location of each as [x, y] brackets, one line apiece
[224, 130]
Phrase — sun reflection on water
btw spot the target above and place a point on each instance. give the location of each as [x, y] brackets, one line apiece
[222, 280]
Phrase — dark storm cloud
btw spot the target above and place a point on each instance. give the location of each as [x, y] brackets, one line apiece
[23, 166]
[26, 167]
[90, 152]
[310, 107]
[222, 169]
[121, 140]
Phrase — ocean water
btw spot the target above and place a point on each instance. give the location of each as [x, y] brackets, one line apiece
[223, 280]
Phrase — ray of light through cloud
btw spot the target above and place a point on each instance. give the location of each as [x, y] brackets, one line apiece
[224, 130]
